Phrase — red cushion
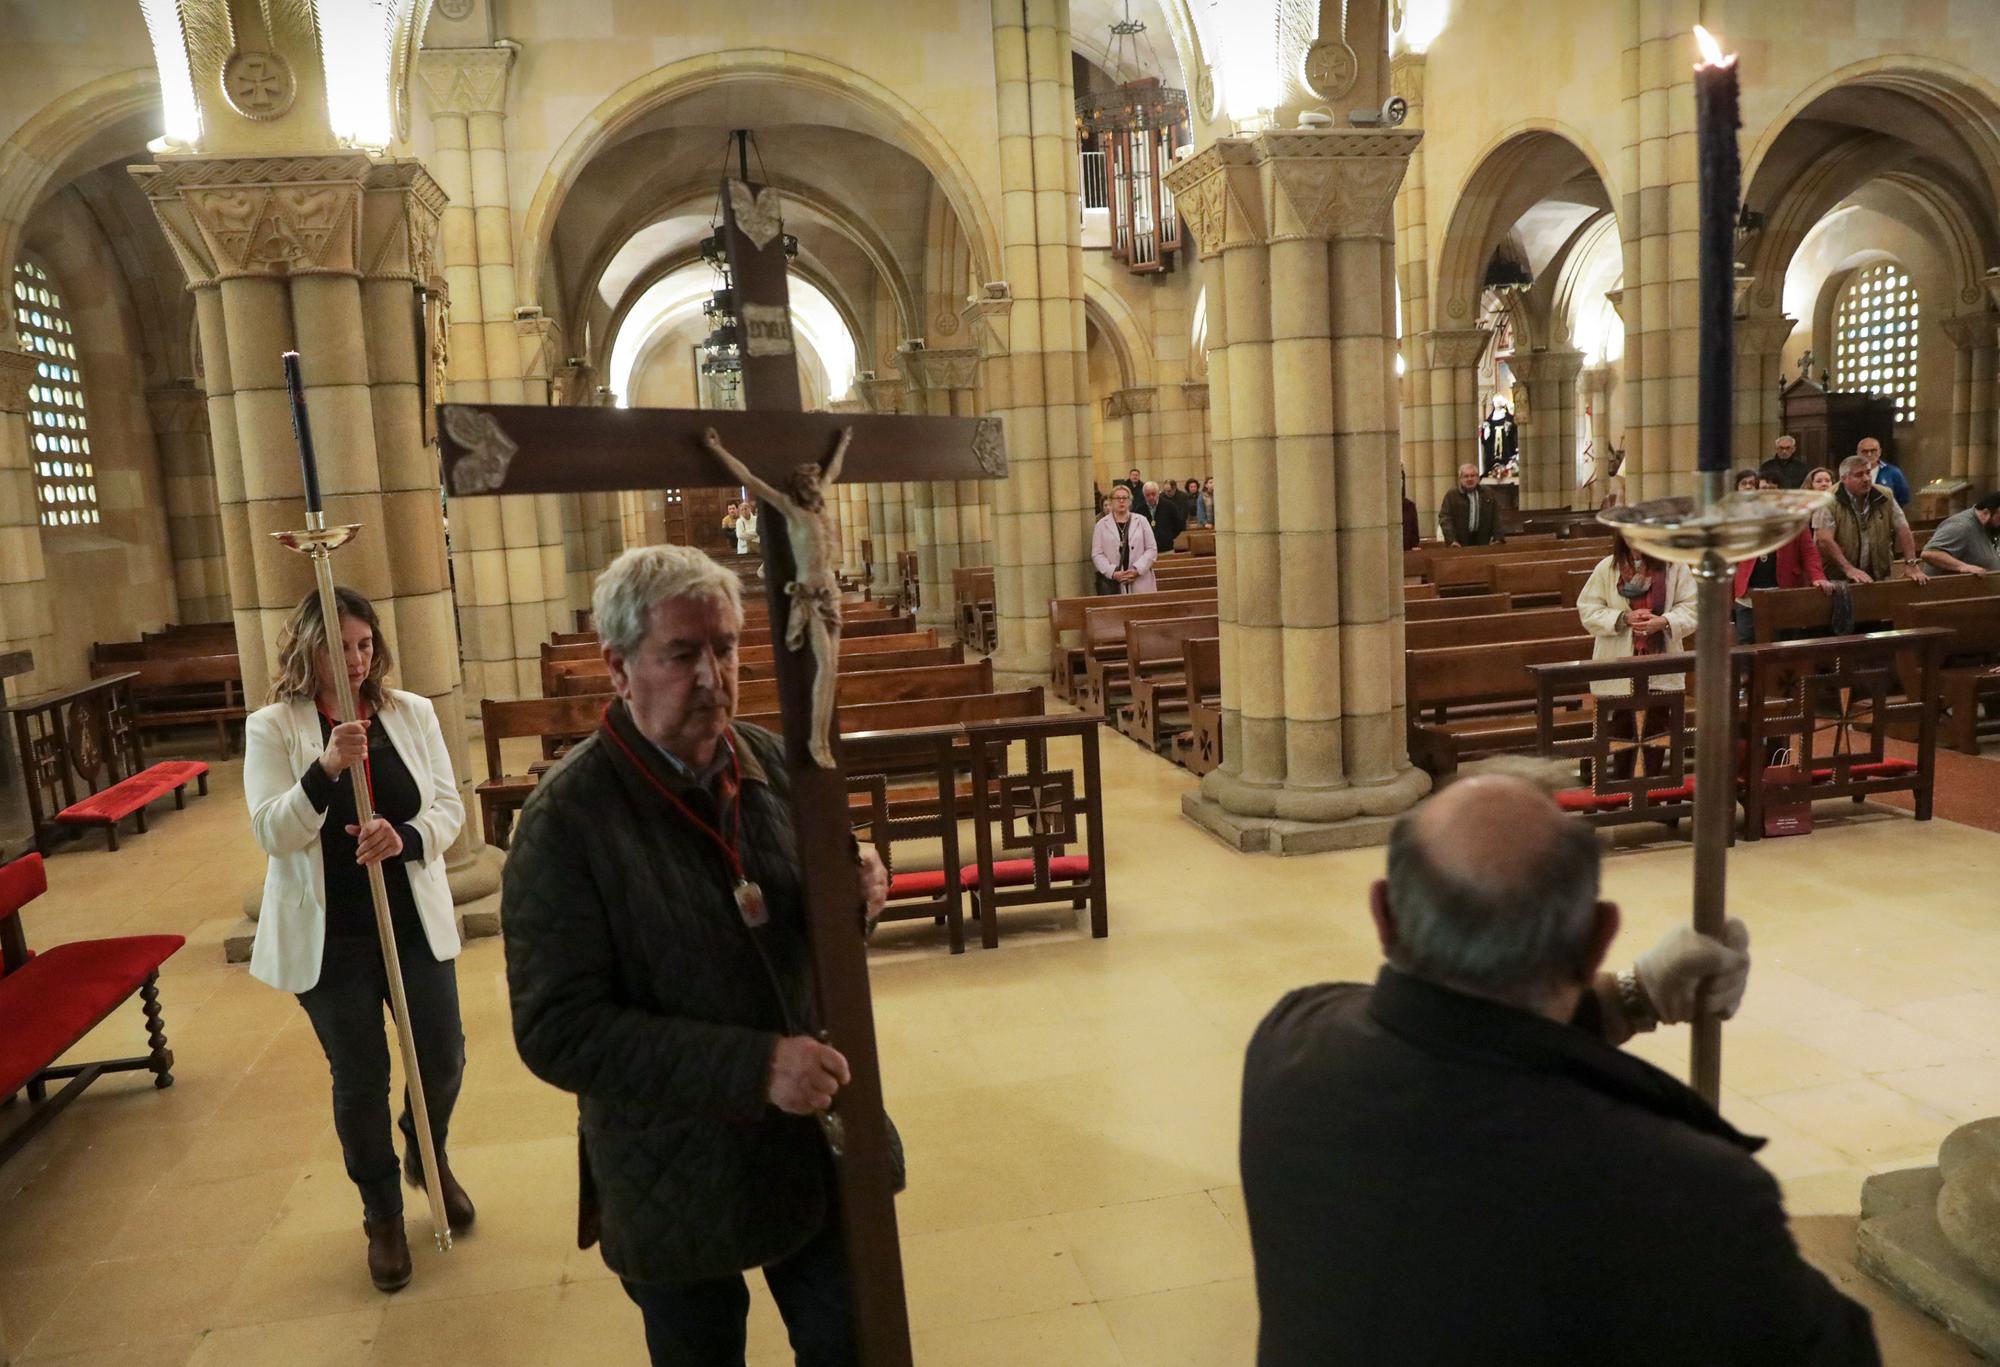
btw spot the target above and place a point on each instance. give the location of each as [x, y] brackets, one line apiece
[1888, 768]
[1015, 872]
[920, 883]
[1583, 800]
[21, 882]
[112, 805]
[173, 773]
[50, 1002]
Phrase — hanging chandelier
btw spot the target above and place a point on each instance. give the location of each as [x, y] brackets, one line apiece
[1127, 136]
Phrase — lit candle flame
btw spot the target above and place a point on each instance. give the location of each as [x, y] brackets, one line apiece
[1711, 51]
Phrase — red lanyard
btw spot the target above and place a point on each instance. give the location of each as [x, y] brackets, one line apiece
[367, 769]
[729, 846]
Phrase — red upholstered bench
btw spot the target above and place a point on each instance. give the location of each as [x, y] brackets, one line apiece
[135, 794]
[50, 1000]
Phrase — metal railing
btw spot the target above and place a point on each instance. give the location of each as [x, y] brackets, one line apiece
[1096, 183]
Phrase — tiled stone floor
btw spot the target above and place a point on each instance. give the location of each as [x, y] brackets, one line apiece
[1069, 1105]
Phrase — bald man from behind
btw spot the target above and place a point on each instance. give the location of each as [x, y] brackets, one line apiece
[1457, 1165]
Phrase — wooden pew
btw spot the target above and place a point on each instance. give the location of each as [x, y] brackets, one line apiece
[1466, 701]
[1529, 624]
[1536, 583]
[1661, 785]
[901, 624]
[1779, 611]
[1102, 686]
[1197, 541]
[887, 685]
[856, 718]
[1066, 618]
[972, 595]
[917, 658]
[571, 670]
[1428, 560]
[174, 686]
[1969, 673]
[1199, 748]
[1465, 605]
[558, 722]
[1027, 814]
[1157, 676]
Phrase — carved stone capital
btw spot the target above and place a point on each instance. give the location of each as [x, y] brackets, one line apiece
[340, 214]
[881, 396]
[1537, 367]
[988, 314]
[178, 409]
[541, 344]
[1122, 403]
[935, 368]
[1216, 193]
[1616, 298]
[465, 80]
[1406, 77]
[1334, 183]
[1970, 331]
[17, 372]
[1194, 393]
[847, 406]
[1763, 336]
[1457, 347]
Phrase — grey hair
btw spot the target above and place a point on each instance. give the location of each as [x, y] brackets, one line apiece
[623, 600]
[1510, 939]
[1152, 486]
[1854, 465]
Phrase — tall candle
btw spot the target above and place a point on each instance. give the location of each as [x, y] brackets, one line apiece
[1716, 122]
[302, 430]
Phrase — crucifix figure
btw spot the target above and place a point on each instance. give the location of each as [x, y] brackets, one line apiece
[528, 449]
[814, 588]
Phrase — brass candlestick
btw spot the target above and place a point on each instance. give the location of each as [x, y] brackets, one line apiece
[1712, 538]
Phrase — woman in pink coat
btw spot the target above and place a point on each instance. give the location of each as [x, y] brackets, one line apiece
[1123, 548]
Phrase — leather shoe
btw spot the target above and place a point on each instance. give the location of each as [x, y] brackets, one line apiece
[458, 1210]
[388, 1253]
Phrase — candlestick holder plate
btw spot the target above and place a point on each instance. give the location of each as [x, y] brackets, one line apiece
[317, 540]
[1738, 526]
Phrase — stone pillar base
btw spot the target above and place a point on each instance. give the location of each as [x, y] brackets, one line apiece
[1271, 835]
[476, 878]
[1903, 1244]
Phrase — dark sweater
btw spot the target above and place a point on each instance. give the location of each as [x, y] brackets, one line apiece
[350, 907]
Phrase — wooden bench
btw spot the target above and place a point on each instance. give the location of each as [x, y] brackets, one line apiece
[1102, 687]
[1464, 605]
[1028, 816]
[904, 789]
[1066, 619]
[185, 690]
[1468, 701]
[1832, 703]
[557, 722]
[885, 685]
[871, 661]
[901, 624]
[1781, 612]
[84, 764]
[1199, 748]
[1428, 561]
[1969, 675]
[1660, 738]
[916, 713]
[1156, 664]
[1529, 624]
[972, 595]
[1536, 583]
[51, 999]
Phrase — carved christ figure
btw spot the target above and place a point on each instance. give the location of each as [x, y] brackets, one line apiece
[814, 615]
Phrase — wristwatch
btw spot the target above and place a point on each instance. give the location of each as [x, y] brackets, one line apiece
[1637, 1006]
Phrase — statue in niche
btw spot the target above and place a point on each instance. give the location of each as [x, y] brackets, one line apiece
[1499, 441]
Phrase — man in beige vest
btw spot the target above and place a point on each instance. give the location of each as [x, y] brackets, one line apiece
[1865, 534]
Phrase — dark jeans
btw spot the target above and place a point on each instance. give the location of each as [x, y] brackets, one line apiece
[346, 1009]
[701, 1324]
[1746, 625]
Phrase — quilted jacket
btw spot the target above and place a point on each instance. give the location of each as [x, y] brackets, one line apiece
[636, 985]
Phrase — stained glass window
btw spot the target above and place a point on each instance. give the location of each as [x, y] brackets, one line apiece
[59, 435]
[1875, 336]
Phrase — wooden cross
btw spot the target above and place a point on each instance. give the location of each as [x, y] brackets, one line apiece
[521, 449]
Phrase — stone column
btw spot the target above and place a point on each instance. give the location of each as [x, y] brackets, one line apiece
[1658, 224]
[1296, 227]
[944, 514]
[1427, 463]
[1452, 413]
[1596, 381]
[324, 254]
[25, 619]
[1973, 456]
[888, 504]
[507, 554]
[1039, 389]
[1760, 347]
[194, 522]
[1548, 438]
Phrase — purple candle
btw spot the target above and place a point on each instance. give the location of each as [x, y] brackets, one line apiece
[302, 430]
[1716, 122]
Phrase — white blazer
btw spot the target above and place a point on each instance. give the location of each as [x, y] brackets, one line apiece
[279, 741]
[1600, 606]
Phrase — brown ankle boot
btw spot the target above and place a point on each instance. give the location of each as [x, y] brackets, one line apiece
[388, 1253]
[458, 1209]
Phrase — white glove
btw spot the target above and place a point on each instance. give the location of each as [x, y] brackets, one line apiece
[1687, 974]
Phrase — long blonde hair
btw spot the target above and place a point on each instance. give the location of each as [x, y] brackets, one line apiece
[304, 638]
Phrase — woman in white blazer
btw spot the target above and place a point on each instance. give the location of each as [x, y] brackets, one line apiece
[316, 933]
[1632, 605]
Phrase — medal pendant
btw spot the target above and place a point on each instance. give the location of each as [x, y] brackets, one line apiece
[750, 904]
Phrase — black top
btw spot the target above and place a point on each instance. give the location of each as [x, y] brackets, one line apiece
[1764, 573]
[350, 909]
[1436, 1179]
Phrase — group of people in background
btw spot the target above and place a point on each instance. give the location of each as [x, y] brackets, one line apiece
[1139, 519]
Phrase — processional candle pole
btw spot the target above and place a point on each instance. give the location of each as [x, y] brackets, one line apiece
[318, 542]
[1720, 528]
